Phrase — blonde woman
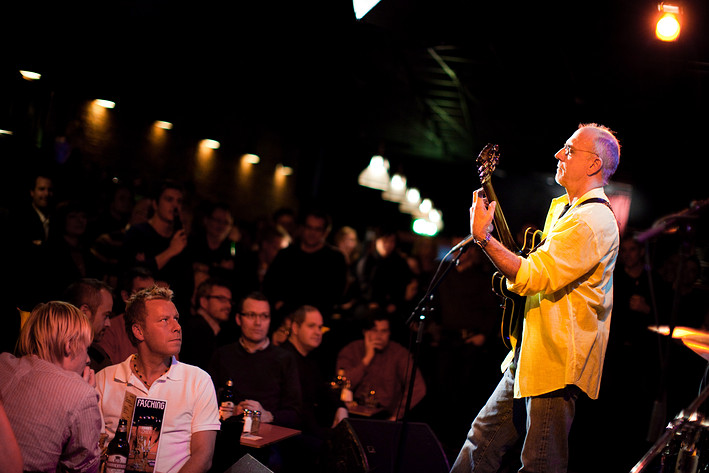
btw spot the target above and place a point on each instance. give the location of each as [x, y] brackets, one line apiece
[49, 392]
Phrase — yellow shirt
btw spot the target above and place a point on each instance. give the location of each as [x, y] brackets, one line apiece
[568, 282]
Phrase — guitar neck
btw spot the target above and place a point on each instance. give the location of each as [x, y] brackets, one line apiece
[503, 231]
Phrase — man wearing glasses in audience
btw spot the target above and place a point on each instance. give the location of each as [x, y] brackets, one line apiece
[265, 379]
[265, 376]
[210, 327]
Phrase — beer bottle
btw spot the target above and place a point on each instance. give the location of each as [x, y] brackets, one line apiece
[118, 449]
[226, 401]
[341, 386]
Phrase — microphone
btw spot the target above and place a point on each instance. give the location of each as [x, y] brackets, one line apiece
[466, 241]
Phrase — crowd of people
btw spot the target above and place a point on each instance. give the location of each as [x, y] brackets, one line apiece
[178, 301]
[148, 299]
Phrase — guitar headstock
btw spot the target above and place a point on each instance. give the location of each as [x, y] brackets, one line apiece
[487, 160]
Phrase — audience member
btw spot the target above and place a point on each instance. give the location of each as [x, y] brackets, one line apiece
[116, 215]
[347, 242]
[32, 222]
[321, 412]
[48, 393]
[159, 244]
[378, 367]
[209, 328]
[108, 246]
[115, 341]
[265, 379]
[269, 241]
[69, 256]
[191, 419]
[284, 217]
[383, 273]
[28, 234]
[214, 254]
[10, 453]
[310, 272]
[633, 300]
[281, 334]
[95, 299]
[306, 335]
[466, 348]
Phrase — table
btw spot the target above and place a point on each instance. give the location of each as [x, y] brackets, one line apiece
[268, 434]
[362, 410]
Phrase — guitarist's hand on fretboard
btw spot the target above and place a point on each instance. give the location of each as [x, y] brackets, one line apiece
[482, 214]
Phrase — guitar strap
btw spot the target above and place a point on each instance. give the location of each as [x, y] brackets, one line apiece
[592, 200]
[516, 325]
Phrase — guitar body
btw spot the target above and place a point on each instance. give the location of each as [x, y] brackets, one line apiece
[512, 304]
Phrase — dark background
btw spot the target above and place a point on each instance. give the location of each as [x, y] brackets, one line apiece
[332, 91]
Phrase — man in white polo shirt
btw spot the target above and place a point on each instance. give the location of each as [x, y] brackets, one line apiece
[191, 417]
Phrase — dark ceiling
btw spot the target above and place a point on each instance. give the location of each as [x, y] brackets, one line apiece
[425, 82]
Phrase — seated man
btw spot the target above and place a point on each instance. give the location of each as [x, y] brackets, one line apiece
[265, 379]
[50, 403]
[322, 410]
[115, 341]
[191, 418]
[378, 368]
[209, 327]
[95, 299]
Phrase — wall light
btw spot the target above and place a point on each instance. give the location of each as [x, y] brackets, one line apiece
[105, 103]
[163, 125]
[251, 158]
[211, 144]
[284, 170]
[5, 132]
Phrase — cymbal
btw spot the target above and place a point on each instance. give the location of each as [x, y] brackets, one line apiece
[700, 347]
[695, 339]
[680, 332]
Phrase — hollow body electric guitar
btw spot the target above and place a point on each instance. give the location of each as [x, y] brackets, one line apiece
[512, 304]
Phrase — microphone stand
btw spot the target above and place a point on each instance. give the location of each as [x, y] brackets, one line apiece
[421, 311]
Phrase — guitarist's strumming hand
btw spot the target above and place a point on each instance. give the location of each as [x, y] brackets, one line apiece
[481, 217]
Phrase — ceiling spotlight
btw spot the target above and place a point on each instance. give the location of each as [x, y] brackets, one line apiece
[668, 25]
[396, 191]
[376, 175]
[412, 201]
[362, 7]
[29, 75]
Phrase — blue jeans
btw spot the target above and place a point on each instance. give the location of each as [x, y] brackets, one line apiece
[543, 421]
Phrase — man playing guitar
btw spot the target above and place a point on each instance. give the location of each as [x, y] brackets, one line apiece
[567, 284]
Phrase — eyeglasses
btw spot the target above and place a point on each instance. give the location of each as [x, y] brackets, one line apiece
[253, 315]
[568, 150]
[224, 299]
